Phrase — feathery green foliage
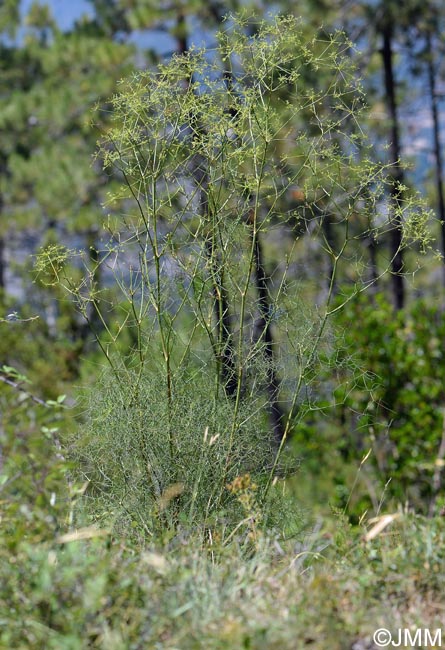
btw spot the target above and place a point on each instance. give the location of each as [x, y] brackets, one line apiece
[207, 145]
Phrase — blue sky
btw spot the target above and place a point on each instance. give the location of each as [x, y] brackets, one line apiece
[65, 11]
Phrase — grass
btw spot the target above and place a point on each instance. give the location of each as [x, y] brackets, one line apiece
[68, 585]
[328, 589]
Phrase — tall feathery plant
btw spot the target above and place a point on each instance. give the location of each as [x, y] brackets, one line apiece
[223, 186]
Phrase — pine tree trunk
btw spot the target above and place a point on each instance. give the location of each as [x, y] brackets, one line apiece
[329, 236]
[225, 354]
[263, 334]
[2, 243]
[398, 177]
[436, 137]
[372, 246]
[374, 273]
[2, 265]
[94, 257]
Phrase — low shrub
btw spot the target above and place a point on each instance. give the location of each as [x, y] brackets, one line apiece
[154, 464]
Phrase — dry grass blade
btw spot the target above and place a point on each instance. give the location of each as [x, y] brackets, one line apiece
[169, 494]
[380, 524]
[83, 533]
